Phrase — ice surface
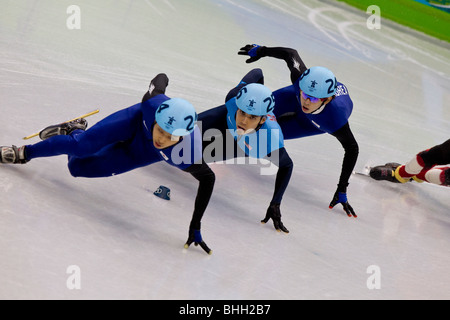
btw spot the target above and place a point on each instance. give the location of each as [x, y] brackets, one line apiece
[128, 244]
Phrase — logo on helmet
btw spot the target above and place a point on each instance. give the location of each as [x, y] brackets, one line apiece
[169, 124]
[312, 87]
[251, 106]
[171, 121]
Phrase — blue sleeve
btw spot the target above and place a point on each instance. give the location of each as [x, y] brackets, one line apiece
[285, 168]
[336, 113]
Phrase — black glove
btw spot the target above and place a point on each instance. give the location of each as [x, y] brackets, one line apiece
[341, 197]
[274, 213]
[196, 237]
[252, 50]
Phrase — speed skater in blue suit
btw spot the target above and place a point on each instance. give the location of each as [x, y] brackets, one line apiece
[157, 129]
[314, 104]
[247, 120]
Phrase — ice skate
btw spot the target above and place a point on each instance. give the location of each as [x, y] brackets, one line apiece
[385, 172]
[65, 128]
[157, 86]
[12, 155]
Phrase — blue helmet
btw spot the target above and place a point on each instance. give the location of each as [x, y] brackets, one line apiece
[255, 99]
[318, 82]
[176, 116]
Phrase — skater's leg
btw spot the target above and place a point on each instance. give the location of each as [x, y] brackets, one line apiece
[113, 160]
[119, 126]
[438, 155]
[253, 76]
[436, 175]
[157, 86]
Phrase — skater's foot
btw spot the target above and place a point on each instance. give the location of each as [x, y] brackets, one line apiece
[65, 128]
[13, 155]
[157, 86]
[385, 172]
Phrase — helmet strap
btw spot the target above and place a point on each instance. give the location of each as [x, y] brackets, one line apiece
[322, 106]
[260, 123]
[320, 109]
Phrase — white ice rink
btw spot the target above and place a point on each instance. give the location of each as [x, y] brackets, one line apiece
[128, 244]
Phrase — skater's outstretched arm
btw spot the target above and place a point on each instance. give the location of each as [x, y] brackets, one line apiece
[290, 56]
[348, 141]
[206, 177]
[285, 167]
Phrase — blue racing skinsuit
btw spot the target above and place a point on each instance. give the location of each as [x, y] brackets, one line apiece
[119, 143]
[223, 119]
[330, 118]
[122, 142]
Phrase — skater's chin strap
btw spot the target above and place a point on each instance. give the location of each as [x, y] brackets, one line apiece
[320, 109]
[322, 106]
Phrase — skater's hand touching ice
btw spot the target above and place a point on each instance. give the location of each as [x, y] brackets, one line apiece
[341, 197]
[196, 237]
[274, 213]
